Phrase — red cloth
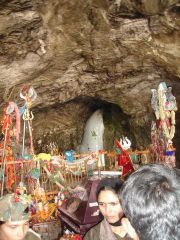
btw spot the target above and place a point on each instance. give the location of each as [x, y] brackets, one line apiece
[124, 160]
[6, 126]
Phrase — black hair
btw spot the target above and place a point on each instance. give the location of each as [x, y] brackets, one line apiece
[113, 184]
[151, 202]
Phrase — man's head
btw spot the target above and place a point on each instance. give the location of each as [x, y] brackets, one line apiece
[15, 230]
[151, 201]
[14, 217]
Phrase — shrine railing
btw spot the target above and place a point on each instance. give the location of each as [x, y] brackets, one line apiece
[58, 172]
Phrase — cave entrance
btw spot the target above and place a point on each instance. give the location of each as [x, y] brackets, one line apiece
[116, 122]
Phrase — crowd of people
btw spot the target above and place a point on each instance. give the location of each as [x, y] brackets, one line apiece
[147, 203]
[144, 207]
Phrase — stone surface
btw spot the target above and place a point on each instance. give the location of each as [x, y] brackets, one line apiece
[81, 55]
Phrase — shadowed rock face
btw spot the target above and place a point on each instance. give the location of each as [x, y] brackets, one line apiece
[84, 55]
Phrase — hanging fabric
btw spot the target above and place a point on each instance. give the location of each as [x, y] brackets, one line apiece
[124, 160]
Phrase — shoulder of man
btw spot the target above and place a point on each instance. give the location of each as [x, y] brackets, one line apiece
[31, 235]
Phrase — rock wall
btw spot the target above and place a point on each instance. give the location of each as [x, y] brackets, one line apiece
[80, 55]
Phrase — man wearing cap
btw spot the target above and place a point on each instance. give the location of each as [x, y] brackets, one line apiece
[14, 219]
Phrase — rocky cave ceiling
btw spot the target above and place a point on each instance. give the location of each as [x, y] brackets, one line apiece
[81, 55]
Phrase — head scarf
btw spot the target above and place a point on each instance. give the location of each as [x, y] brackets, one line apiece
[13, 208]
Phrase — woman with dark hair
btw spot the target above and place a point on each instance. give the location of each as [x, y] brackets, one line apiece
[14, 219]
[110, 228]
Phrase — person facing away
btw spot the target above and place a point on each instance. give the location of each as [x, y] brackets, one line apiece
[14, 219]
[110, 227]
[151, 202]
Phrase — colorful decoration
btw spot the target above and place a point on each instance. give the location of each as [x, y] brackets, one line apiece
[29, 95]
[21, 190]
[125, 143]
[62, 196]
[54, 174]
[79, 166]
[13, 110]
[43, 157]
[39, 194]
[164, 105]
[71, 237]
[69, 155]
[42, 210]
[10, 113]
[124, 160]
[35, 173]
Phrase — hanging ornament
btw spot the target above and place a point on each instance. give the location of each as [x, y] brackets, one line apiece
[28, 94]
[13, 109]
[164, 104]
[35, 173]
